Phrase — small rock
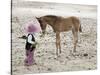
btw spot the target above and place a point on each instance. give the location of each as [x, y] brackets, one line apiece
[38, 55]
[67, 57]
[38, 68]
[64, 43]
[46, 51]
[89, 68]
[49, 69]
[92, 56]
[38, 52]
[49, 58]
[85, 54]
[15, 70]
[55, 58]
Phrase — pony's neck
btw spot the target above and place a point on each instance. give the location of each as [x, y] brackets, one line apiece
[49, 20]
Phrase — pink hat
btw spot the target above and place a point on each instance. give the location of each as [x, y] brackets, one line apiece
[32, 26]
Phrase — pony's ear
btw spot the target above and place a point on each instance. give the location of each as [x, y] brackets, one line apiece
[37, 18]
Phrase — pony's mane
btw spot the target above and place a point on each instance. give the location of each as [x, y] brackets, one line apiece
[51, 16]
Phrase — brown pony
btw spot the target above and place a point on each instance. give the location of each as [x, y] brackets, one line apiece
[60, 24]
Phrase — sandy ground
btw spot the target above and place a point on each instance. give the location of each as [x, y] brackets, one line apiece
[45, 54]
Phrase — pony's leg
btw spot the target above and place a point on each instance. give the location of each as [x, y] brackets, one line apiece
[57, 42]
[43, 33]
[75, 38]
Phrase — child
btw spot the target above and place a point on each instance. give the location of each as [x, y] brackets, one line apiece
[30, 48]
[31, 28]
[30, 45]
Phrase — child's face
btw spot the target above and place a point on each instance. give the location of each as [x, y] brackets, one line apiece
[31, 33]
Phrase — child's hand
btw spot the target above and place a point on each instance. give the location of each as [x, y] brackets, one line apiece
[36, 43]
[33, 45]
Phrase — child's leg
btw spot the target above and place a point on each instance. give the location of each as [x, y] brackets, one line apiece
[27, 56]
[30, 57]
[33, 55]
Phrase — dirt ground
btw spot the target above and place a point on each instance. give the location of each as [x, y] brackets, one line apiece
[45, 54]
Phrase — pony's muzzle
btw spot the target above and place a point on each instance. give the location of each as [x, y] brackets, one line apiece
[42, 34]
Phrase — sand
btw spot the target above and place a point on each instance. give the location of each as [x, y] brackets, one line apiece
[45, 54]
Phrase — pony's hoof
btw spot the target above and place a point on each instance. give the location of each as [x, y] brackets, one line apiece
[60, 52]
[35, 63]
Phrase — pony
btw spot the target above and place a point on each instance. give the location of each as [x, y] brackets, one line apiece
[61, 24]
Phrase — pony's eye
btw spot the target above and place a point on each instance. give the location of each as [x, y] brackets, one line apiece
[40, 22]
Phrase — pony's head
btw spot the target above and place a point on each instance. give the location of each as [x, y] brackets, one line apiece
[42, 24]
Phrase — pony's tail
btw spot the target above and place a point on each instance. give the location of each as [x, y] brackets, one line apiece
[80, 29]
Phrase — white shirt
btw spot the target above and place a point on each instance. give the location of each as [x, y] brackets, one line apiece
[30, 39]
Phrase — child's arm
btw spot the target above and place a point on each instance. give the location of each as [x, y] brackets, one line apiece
[30, 39]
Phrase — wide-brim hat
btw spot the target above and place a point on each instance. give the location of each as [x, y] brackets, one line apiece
[32, 26]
